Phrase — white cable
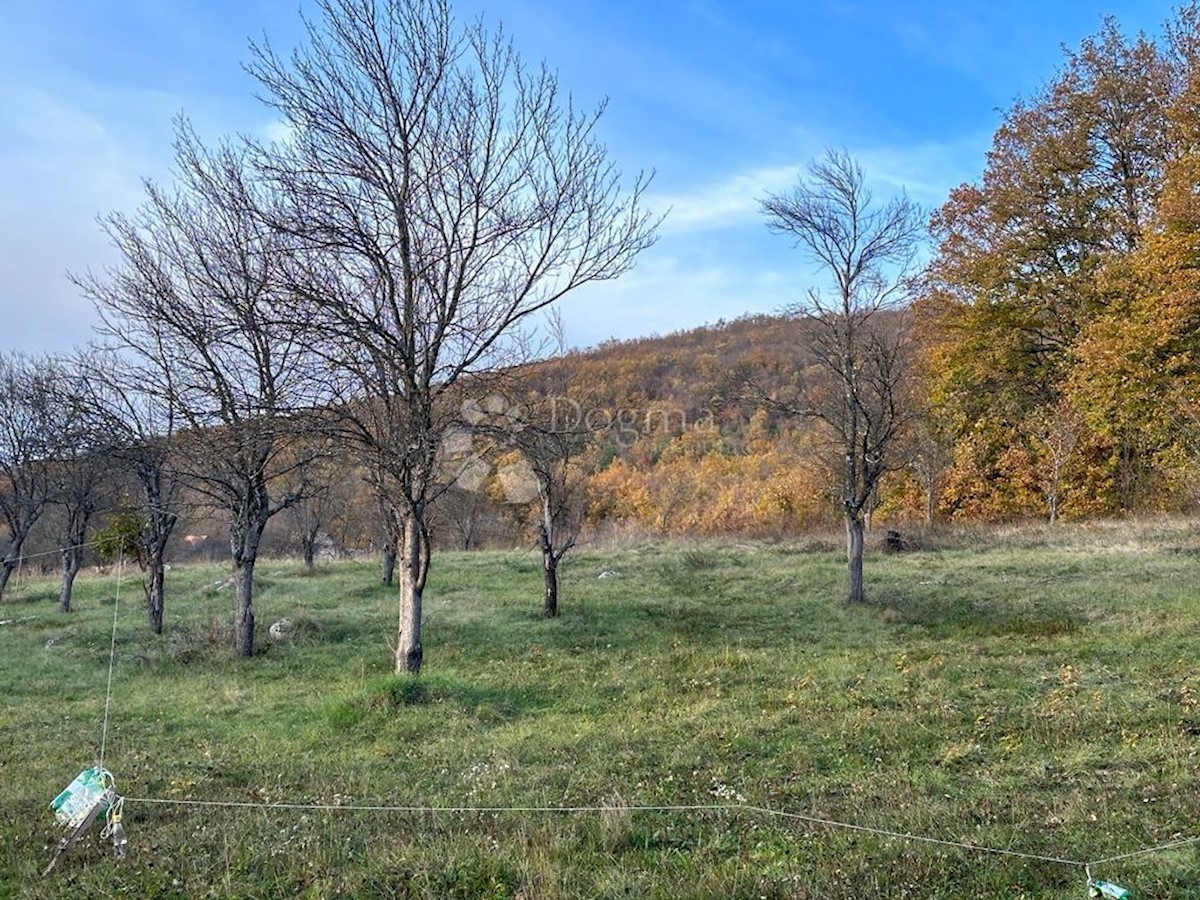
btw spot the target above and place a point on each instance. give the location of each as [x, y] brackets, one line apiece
[112, 655]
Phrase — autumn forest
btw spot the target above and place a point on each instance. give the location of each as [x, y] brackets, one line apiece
[1054, 334]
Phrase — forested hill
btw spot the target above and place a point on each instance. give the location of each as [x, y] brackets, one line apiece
[686, 368]
[681, 445]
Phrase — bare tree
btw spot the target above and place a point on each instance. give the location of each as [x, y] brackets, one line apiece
[197, 303]
[388, 520]
[854, 378]
[142, 426]
[28, 438]
[462, 513]
[321, 486]
[553, 456]
[81, 473]
[443, 192]
[930, 456]
[1057, 432]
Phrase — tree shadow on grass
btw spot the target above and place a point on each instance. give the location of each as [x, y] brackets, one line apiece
[983, 617]
[390, 695]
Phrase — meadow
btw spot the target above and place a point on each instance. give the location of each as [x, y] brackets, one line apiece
[1033, 690]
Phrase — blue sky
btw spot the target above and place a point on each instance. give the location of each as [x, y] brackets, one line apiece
[724, 100]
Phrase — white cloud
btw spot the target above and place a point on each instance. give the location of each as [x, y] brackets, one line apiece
[727, 202]
[668, 292]
[277, 131]
[929, 170]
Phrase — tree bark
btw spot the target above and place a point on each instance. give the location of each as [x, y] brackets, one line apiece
[246, 530]
[71, 561]
[389, 566]
[550, 573]
[243, 623]
[12, 559]
[6, 570]
[414, 556]
[550, 570]
[309, 556]
[854, 558]
[156, 574]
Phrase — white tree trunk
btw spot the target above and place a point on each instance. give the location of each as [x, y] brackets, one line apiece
[409, 652]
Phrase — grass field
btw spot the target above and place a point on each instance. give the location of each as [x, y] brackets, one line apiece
[1035, 690]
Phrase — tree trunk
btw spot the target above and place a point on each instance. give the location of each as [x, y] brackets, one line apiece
[154, 560]
[156, 574]
[1053, 491]
[71, 561]
[389, 566]
[549, 566]
[12, 560]
[243, 622]
[550, 571]
[854, 558]
[309, 556]
[245, 535]
[6, 570]
[413, 563]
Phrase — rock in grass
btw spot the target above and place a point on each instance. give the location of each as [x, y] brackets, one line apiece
[289, 629]
[281, 631]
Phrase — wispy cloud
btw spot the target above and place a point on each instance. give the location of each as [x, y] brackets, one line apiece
[729, 201]
[927, 171]
[670, 291]
[278, 131]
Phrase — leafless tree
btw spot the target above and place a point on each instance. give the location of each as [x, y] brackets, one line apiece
[854, 377]
[28, 438]
[461, 513]
[197, 303]
[1057, 434]
[554, 459]
[388, 521]
[80, 469]
[321, 485]
[930, 456]
[142, 427]
[443, 192]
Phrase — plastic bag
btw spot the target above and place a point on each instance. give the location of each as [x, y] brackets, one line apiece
[72, 806]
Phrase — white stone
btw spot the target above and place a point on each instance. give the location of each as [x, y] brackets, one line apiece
[281, 630]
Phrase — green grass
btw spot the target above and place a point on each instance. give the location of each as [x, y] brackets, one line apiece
[1032, 690]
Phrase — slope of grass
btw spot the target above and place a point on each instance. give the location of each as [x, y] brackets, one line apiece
[1035, 691]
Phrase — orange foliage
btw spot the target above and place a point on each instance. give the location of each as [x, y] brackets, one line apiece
[763, 493]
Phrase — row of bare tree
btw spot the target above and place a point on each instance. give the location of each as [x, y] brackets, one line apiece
[343, 291]
[354, 291]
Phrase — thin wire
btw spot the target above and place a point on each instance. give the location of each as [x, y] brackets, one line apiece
[359, 807]
[831, 823]
[56, 552]
[1173, 845]
[708, 807]
[112, 655]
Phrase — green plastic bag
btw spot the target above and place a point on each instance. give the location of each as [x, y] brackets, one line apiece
[1108, 890]
[72, 806]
